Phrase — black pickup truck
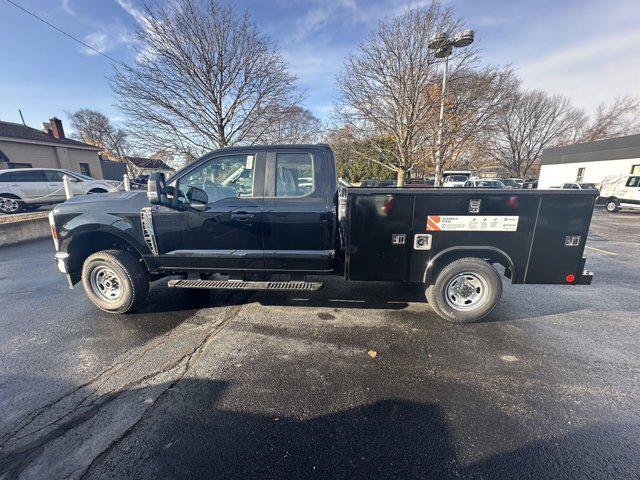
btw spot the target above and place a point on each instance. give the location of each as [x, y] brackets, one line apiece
[273, 218]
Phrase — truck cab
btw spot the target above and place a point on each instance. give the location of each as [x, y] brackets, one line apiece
[250, 210]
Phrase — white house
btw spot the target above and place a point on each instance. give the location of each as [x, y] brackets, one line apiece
[590, 162]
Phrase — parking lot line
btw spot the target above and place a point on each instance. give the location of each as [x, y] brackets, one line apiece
[599, 250]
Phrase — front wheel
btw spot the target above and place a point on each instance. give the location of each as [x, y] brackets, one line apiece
[115, 281]
[612, 205]
[466, 290]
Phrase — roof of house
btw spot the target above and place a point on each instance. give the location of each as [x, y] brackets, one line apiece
[142, 162]
[23, 132]
[618, 148]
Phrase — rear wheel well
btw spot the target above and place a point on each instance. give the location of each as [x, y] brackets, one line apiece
[97, 190]
[89, 243]
[490, 255]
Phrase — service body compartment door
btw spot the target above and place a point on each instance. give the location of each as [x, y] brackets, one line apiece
[559, 238]
[379, 236]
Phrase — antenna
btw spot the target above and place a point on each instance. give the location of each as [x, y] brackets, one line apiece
[22, 117]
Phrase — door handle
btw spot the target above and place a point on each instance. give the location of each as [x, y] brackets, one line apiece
[243, 217]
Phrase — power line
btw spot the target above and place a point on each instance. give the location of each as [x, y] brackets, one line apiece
[90, 47]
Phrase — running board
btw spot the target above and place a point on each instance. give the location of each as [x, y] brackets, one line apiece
[241, 285]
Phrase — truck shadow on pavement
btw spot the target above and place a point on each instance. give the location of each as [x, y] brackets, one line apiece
[200, 429]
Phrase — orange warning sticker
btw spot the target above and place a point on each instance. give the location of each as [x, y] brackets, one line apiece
[475, 223]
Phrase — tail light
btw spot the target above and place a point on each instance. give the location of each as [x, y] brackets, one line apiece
[570, 278]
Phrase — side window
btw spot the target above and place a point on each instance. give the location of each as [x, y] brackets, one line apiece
[53, 176]
[580, 175]
[294, 174]
[29, 176]
[221, 177]
[633, 182]
[6, 177]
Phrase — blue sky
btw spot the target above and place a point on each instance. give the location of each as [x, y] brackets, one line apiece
[588, 50]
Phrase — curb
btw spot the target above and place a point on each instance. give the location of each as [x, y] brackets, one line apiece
[23, 227]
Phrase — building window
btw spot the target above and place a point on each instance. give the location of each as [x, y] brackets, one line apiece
[635, 169]
[580, 175]
[84, 169]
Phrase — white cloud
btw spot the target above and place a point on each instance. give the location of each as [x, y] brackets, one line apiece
[589, 72]
[132, 10]
[66, 6]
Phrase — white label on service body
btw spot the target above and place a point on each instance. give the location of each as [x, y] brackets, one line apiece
[472, 223]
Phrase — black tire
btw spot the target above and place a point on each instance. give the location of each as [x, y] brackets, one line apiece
[131, 278]
[612, 205]
[480, 283]
[97, 190]
[11, 204]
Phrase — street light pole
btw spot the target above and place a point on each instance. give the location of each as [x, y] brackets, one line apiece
[443, 47]
[438, 179]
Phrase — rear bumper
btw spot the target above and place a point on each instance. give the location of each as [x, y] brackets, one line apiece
[585, 278]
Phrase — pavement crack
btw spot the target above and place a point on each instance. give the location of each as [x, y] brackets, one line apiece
[191, 359]
[13, 462]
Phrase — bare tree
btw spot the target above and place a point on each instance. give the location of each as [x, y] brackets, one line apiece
[95, 128]
[620, 118]
[205, 78]
[297, 125]
[383, 83]
[528, 123]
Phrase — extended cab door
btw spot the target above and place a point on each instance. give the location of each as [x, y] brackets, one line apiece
[299, 210]
[226, 233]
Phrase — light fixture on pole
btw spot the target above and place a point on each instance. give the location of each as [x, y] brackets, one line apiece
[443, 47]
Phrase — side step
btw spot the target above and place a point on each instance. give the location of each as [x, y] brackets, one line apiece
[241, 285]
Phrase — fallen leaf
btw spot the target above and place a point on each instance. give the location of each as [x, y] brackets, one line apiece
[372, 353]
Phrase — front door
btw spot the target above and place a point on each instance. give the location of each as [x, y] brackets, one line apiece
[226, 233]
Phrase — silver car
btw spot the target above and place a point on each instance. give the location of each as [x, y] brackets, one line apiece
[28, 188]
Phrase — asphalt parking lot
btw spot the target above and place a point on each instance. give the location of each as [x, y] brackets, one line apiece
[354, 381]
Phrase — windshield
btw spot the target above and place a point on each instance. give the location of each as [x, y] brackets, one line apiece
[588, 186]
[490, 184]
[510, 183]
[79, 175]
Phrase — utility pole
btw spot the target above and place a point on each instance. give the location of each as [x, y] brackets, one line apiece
[443, 47]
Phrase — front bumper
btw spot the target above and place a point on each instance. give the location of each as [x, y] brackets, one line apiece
[62, 262]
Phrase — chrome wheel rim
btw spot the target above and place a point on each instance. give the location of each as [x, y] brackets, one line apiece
[611, 206]
[8, 205]
[106, 284]
[466, 291]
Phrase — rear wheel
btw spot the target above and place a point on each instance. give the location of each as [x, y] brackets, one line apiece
[612, 205]
[466, 290]
[115, 281]
[10, 204]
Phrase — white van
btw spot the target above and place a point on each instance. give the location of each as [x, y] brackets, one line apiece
[620, 190]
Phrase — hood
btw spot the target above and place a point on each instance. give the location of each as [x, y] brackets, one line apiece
[106, 202]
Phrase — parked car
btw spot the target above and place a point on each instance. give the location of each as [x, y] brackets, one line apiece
[579, 186]
[420, 182]
[201, 222]
[619, 190]
[28, 188]
[454, 181]
[512, 182]
[377, 183]
[484, 183]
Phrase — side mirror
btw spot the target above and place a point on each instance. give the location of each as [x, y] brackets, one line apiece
[196, 195]
[156, 189]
